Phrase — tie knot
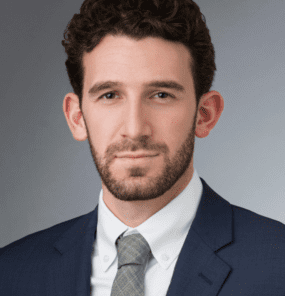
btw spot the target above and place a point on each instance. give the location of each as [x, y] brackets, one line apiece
[132, 249]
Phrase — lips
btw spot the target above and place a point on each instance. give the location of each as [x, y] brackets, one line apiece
[136, 155]
[142, 156]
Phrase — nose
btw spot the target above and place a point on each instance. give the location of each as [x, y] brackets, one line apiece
[137, 120]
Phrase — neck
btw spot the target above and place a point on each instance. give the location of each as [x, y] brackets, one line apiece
[134, 213]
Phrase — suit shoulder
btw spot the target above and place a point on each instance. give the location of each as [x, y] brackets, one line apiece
[254, 224]
[28, 241]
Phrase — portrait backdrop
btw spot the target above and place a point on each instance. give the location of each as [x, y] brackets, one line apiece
[47, 177]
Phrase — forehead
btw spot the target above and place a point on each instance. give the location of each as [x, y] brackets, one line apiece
[130, 61]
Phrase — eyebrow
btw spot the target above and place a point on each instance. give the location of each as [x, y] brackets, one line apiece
[102, 85]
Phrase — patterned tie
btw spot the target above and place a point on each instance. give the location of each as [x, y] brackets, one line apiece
[133, 251]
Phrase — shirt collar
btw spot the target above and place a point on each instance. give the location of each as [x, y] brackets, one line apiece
[165, 231]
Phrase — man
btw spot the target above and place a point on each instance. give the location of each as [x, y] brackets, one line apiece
[141, 74]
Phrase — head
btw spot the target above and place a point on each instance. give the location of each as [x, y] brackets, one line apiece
[135, 43]
[173, 20]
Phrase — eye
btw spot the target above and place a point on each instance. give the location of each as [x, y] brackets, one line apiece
[112, 93]
[106, 94]
[164, 98]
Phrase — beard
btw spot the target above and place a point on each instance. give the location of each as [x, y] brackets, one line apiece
[137, 186]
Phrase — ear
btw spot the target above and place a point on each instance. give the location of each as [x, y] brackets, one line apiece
[210, 109]
[74, 117]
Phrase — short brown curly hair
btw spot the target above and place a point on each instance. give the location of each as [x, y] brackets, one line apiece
[174, 20]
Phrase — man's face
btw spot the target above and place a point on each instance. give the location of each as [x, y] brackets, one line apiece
[134, 118]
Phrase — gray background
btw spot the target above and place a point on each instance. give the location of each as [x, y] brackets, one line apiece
[47, 177]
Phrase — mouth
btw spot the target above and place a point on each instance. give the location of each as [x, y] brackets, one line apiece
[137, 157]
[140, 155]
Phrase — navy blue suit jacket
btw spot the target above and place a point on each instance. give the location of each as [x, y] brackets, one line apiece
[229, 251]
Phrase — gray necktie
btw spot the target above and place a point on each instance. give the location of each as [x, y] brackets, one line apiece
[133, 252]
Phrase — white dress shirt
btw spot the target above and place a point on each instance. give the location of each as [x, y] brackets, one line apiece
[165, 232]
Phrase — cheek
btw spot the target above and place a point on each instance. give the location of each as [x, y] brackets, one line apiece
[178, 129]
[176, 123]
[173, 134]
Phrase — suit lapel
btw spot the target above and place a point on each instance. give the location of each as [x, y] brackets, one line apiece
[199, 271]
[71, 266]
